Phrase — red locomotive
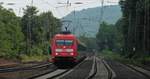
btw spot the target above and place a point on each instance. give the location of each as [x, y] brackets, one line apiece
[64, 47]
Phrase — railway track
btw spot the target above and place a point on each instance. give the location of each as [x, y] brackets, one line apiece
[124, 71]
[146, 67]
[93, 70]
[127, 71]
[53, 74]
[32, 71]
[14, 69]
[101, 70]
[144, 71]
[59, 72]
[26, 72]
[90, 68]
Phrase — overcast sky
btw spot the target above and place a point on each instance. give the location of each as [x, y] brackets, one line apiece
[58, 10]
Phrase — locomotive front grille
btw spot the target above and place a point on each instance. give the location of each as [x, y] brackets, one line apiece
[64, 50]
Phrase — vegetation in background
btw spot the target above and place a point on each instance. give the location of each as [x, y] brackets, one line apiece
[107, 54]
[11, 36]
[38, 30]
[89, 42]
[26, 37]
[133, 36]
[135, 27]
[108, 37]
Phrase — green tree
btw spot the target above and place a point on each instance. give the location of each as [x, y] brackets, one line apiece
[89, 42]
[107, 37]
[38, 29]
[11, 36]
[135, 27]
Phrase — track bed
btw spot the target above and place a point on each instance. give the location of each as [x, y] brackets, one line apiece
[124, 72]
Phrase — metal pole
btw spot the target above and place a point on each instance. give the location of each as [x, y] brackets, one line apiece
[144, 32]
[148, 35]
[74, 13]
[29, 30]
[29, 39]
[31, 2]
[102, 11]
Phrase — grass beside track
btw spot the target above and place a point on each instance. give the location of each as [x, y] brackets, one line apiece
[117, 57]
[37, 58]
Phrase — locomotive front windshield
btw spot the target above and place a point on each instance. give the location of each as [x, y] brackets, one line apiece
[64, 42]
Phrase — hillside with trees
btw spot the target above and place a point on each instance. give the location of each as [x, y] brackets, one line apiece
[108, 37]
[87, 20]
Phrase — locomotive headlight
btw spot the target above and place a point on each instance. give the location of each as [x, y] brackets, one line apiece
[58, 50]
[56, 53]
[69, 50]
[71, 53]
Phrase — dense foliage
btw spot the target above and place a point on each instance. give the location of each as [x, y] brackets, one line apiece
[28, 35]
[135, 27]
[89, 42]
[133, 30]
[38, 29]
[11, 36]
[108, 37]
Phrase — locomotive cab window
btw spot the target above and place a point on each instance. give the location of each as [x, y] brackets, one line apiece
[64, 42]
[68, 42]
[59, 42]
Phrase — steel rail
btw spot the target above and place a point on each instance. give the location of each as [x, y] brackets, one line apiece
[80, 61]
[110, 73]
[56, 75]
[146, 75]
[95, 70]
[14, 69]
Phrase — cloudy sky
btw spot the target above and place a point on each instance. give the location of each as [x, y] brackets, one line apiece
[58, 7]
